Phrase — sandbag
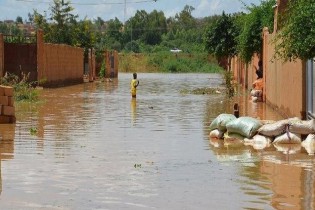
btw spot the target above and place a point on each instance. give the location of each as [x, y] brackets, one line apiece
[245, 126]
[216, 134]
[220, 122]
[288, 138]
[277, 128]
[256, 93]
[302, 127]
[258, 142]
[288, 148]
[254, 99]
[309, 144]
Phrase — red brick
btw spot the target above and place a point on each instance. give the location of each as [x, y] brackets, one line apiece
[12, 119]
[1, 90]
[4, 119]
[8, 111]
[10, 101]
[4, 100]
[8, 91]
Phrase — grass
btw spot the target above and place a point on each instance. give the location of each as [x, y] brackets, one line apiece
[23, 90]
[168, 62]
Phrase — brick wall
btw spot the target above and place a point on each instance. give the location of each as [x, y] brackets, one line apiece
[7, 110]
[59, 64]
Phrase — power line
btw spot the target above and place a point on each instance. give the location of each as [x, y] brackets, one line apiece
[93, 4]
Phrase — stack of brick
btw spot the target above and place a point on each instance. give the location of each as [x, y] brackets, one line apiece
[7, 110]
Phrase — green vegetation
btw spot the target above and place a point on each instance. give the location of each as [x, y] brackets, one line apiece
[33, 131]
[144, 40]
[202, 91]
[23, 90]
[220, 37]
[251, 25]
[168, 62]
[297, 31]
[103, 70]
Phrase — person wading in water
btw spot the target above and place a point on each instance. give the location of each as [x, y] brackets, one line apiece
[133, 85]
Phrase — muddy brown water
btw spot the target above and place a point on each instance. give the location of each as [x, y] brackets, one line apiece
[96, 148]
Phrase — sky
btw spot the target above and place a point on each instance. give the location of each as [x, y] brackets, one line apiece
[109, 9]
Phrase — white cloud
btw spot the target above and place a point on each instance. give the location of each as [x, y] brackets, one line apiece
[208, 7]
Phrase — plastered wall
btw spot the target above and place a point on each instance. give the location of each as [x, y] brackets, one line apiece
[58, 64]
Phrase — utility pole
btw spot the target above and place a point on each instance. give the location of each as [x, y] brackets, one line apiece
[125, 11]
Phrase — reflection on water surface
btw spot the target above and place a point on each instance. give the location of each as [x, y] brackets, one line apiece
[96, 148]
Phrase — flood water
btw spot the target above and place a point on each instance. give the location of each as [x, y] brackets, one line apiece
[96, 148]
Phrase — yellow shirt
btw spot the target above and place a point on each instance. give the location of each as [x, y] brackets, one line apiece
[133, 85]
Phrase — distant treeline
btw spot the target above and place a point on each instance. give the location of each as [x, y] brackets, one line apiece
[222, 35]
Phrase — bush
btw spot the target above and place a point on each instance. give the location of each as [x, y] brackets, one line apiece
[23, 90]
[103, 70]
[132, 46]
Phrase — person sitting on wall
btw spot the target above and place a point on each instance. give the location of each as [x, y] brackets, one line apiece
[259, 70]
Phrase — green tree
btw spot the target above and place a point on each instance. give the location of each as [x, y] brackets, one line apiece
[10, 29]
[39, 20]
[251, 25]
[114, 29]
[155, 28]
[220, 37]
[85, 37]
[297, 31]
[135, 26]
[63, 22]
[185, 19]
[19, 19]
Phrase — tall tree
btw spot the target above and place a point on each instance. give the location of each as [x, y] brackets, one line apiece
[114, 29]
[251, 25]
[156, 27]
[185, 18]
[220, 37]
[297, 31]
[135, 26]
[63, 21]
[19, 19]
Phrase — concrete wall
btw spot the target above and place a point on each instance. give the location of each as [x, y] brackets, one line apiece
[59, 64]
[284, 82]
[244, 74]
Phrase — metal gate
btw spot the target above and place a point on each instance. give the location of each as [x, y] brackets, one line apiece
[310, 89]
[21, 58]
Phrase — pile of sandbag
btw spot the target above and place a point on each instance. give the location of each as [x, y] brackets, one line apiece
[256, 93]
[218, 125]
[261, 134]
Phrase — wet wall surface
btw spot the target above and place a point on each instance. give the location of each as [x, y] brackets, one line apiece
[92, 146]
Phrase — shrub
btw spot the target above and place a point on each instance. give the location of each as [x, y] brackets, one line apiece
[23, 90]
[103, 70]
